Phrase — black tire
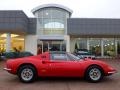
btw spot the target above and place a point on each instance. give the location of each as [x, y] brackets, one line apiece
[27, 73]
[97, 76]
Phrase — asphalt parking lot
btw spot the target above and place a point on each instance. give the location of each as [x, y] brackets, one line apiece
[11, 82]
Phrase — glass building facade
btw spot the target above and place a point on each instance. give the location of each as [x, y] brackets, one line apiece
[52, 21]
[51, 27]
[98, 46]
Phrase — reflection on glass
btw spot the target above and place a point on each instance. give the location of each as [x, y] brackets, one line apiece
[17, 42]
[51, 45]
[118, 47]
[54, 25]
[109, 47]
[95, 46]
[52, 21]
[82, 43]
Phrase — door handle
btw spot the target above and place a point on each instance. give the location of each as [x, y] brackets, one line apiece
[44, 62]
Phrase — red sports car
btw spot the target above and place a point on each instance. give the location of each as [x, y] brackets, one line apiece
[58, 64]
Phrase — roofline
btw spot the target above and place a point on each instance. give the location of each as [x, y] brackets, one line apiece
[51, 5]
[95, 18]
[14, 11]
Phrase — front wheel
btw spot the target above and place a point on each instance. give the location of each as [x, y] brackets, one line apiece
[94, 74]
[27, 73]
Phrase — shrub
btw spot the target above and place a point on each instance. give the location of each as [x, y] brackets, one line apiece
[25, 54]
[11, 55]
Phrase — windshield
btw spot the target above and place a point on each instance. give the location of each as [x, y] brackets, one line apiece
[73, 56]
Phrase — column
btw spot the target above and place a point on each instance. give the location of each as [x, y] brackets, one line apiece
[67, 39]
[42, 46]
[31, 44]
[88, 46]
[61, 43]
[73, 42]
[48, 46]
[102, 47]
[116, 46]
[8, 42]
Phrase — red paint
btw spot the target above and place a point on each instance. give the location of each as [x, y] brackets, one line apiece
[47, 67]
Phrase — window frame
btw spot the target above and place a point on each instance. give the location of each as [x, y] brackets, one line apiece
[52, 59]
[69, 58]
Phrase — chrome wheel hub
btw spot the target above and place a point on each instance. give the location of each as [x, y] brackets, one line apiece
[27, 74]
[95, 74]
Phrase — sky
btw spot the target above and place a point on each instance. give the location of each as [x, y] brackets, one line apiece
[81, 8]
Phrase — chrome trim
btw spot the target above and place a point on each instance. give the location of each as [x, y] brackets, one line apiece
[112, 72]
[7, 69]
[51, 5]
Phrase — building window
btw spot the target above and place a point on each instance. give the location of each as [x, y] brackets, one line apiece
[109, 47]
[52, 21]
[54, 25]
[17, 42]
[82, 43]
[118, 46]
[95, 46]
[53, 28]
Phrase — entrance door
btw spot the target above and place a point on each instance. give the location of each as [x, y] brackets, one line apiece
[57, 46]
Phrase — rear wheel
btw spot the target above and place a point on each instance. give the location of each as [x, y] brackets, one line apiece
[94, 74]
[27, 73]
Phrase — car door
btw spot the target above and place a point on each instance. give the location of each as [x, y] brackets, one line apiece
[61, 65]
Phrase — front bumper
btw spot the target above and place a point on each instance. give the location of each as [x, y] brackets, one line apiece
[7, 69]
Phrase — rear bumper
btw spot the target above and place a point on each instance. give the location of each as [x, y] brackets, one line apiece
[9, 70]
[111, 72]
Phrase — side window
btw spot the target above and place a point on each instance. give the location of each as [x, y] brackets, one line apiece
[56, 57]
[70, 58]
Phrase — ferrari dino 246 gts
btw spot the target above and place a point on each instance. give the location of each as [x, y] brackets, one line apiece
[58, 64]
